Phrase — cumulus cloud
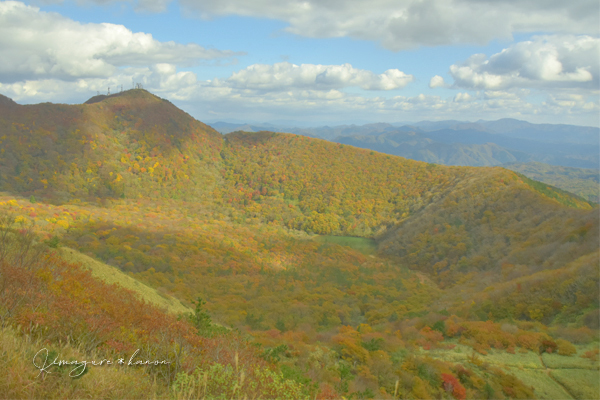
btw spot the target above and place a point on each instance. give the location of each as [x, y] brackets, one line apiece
[501, 94]
[153, 6]
[163, 79]
[462, 97]
[150, 5]
[285, 76]
[40, 45]
[545, 62]
[204, 100]
[405, 24]
[574, 103]
[335, 106]
[437, 81]
[271, 95]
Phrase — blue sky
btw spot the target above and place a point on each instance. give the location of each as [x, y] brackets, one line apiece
[313, 62]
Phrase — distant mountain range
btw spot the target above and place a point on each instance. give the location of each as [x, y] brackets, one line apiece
[481, 143]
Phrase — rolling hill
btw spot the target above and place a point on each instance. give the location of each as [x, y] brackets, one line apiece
[131, 144]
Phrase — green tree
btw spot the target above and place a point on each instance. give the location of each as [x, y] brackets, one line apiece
[200, 318]
[344, 370]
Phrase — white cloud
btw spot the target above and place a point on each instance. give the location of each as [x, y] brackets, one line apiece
[544, 62]
[500, 94]
[405, 24]
[40, 45]
[162, 79]
[284, 76]
[263, 101]
[462, 98]
[339, 107]
[573, 103]
[153, 6]
[437, 81]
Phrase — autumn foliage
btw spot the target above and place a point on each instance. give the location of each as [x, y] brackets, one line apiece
[477, 258]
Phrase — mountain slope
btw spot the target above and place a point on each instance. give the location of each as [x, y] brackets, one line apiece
[479, 228]
[112, 275]
[335, 179]
[126, 145]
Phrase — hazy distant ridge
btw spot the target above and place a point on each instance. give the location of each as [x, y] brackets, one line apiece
[481, 143]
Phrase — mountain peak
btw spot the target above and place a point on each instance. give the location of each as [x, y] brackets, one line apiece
[128, 94]
[6, 101]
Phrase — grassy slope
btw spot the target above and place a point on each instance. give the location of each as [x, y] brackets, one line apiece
[583, 384]
[556, 361]
[20, 380]
[567, 377]
[545, 386]
[364, 245]
[110, 274]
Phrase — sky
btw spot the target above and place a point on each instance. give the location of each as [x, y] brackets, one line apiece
[313, 62]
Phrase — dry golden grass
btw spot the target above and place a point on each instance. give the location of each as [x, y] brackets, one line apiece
[111, 275]
[557, 361]
[499, 358]
[582, 383]
[545, 386]
[579, 376]
[20, 379]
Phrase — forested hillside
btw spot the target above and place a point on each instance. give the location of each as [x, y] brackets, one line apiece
[128, 145]
[463, 282]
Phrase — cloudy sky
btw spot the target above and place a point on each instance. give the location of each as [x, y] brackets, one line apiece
[314, 61]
